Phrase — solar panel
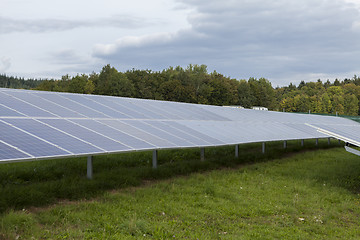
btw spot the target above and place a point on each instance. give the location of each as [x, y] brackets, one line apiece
[7, 112]
[162, 125]
[100, 108]
[116, 105]
[33, 146]
[37, 100]
[347, 133]
[154, 140]
[113, 133]
[158, 131]
[63, 140]
[7, 152]
[40, 125]
[73, 106]
[23, 107]
[206, 138]
[91, 138]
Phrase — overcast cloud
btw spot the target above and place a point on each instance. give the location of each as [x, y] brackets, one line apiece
[282, 40]
[9, 25]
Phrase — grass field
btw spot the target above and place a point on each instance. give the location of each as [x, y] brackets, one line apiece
[284, 194]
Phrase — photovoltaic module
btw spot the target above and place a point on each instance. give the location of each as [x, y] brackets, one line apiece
[43, 125]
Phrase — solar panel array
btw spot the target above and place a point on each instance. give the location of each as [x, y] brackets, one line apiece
[43, 125]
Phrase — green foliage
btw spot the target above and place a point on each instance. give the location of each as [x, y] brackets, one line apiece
[246, 98]
[263, 92]
[193, 85]
[15, 82]
[114, 83]
[77, 84]
[341, 97]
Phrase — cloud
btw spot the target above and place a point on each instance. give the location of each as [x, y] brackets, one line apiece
[66, 56]
[159, 39]
[69, 61]
[5, 64]
[9, 25]
[251, 38]
[356, 26]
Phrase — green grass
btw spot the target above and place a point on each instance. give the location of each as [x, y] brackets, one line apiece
[41, 183]
[311, 195]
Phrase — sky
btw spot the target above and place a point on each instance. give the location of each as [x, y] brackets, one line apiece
[281, 40]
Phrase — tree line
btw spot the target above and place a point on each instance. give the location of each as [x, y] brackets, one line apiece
[15, 82]
[194, 84]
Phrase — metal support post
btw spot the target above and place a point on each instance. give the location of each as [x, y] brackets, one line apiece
[263, 147]
[285, 144]
[89, 167]
[339, 141]
[317, 142]
[202, 154]
[237, 150]
[328, 141]
[154, 158]
[302, 142]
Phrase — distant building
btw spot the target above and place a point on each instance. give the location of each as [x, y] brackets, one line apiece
[241, 107]
[260, 108]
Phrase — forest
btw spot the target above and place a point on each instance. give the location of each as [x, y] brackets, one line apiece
[194, 84]
[15, 82]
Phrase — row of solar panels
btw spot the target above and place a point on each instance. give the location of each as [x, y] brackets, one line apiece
[39, 125]
[44, 138]
[65, 105]
[22, 103]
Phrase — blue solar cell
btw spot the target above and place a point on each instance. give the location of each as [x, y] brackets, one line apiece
[28, 143]
[6, 112]
[211, 129]
[7, 153]
[115, 134]
[150, 113]
[180, 134]
[234, 131]
[36, 100]
[195, 113]
[23, 107]
[135, 132]
[348, 131]
[89, 102]
[179, 142]
[203, 113]
[54, 136]
[148, 105]
[130, 104]
[173, 109]
[311, 132]
[115, 103]
[71, 105]
[87, 135]
[207, 138]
